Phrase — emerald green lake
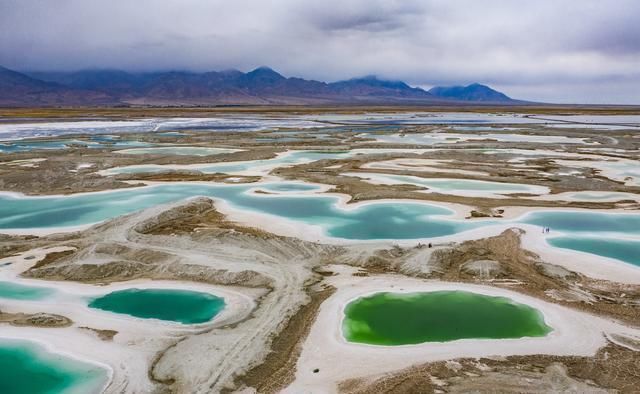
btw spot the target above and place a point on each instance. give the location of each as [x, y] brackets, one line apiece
[26, 367]
[440, 316]
[183, 306]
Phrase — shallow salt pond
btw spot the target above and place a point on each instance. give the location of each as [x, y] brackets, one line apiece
[289, 158]
[24, 292]
[463, 187]
[178, 150]
[408, 118]
[289, 187]
[27, 367]
[440, 316]
[221, 123]
[586, 222]
[620, 249]
[26, 146]
[594, 196]
[182, 306]
[451, 138]
[171, 134]
[95, 142]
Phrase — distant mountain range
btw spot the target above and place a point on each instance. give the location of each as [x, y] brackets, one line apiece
[262, 86]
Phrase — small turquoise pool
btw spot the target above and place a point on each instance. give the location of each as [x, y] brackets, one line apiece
[182, 306]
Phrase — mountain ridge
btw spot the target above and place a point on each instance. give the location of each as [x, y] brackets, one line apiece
[261, 86]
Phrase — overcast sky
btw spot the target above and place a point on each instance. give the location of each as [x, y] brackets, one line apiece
[545, 50]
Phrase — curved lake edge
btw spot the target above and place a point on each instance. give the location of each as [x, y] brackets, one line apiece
[44, 349]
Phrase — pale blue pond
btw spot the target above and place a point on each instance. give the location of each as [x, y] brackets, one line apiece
[113, 141]
[26, 146]
[458, 185]
[295, 157]
[171, 134]
[621, 249]
[178, 150]
[442, 138]
[289, 187]
[586, 222]
[600, 196]
[24, 292]
[222, 123]
[282, 139]
[95, 142]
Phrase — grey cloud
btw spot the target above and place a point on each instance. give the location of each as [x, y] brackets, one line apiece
[554, 50]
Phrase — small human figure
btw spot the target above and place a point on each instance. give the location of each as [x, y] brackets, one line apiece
[430, 245]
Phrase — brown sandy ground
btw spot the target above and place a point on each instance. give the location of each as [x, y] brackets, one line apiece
[43, 320]
[142, 112]
[614, 368]
[105, 335]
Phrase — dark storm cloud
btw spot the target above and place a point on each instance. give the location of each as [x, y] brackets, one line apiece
[559, 50]
[364, 15]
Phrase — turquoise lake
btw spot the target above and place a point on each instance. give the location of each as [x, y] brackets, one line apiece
[27, 367]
